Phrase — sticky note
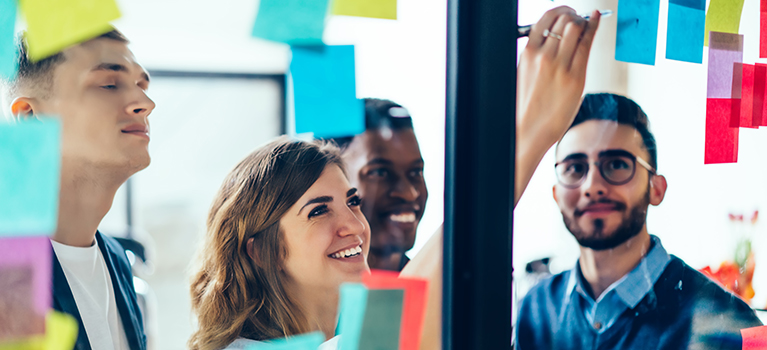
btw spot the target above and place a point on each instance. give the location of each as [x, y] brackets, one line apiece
[637, 33]
[53, 25]
[723, 16]
[686, 23]
[414, 304]
[308, 341]
[725, 50]
[721, 145]
[324, 91]
[370, 318]
[385, 9]
[60, 334]
[30, 162]
[747, 118]
[760, 84]
[754, 338]
[8, 52]
[763, 28]
[295, 22]
[34, 254]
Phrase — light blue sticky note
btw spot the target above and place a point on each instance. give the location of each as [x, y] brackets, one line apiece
[324, 91]
[8, 52]
[637, 34]
[353, 302]
[295, 22]
[686, 24]
[308, 341]
[30, 163]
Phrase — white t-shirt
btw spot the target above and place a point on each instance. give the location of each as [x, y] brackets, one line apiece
[90, 282]
[245, 343]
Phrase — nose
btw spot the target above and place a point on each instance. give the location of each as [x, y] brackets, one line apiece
[405, 189]
[594, 186]
[142, 105]
[351, 224]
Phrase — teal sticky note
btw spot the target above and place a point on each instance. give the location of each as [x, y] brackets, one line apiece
[30, 165]
[383, 318]
[295, 22]
[686, 24]
[308, 341]
[637, 33]
[353, 299]
[8, 51]
[324, 91]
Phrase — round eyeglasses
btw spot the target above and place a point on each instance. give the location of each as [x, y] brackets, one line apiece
[617, 168]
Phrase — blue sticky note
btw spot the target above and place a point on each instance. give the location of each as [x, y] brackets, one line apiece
[353, 299]
[308, 341]
[686, 24]
[637, 34]
[295, 22]
[325, 93]
[8, 51]
[30, 163]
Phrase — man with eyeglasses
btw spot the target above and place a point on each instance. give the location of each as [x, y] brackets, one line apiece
[626, 291]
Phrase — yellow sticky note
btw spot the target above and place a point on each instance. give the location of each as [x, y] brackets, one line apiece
[723, 16]
[386, 9]
[53, 25]
[60, 334]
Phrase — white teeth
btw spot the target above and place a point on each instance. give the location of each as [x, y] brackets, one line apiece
[359, 249]
[406, 217]
[347, 253]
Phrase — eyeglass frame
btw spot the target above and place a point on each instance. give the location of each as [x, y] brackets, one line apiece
[634, 158]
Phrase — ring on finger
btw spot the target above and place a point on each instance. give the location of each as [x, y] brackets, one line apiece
[547, 33]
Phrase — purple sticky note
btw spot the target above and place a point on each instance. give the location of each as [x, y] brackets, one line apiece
[725, 50]
[33, 252]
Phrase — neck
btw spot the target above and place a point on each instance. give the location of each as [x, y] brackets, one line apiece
[84, 200]
[389, 262]
[320, 307]
[602, 268]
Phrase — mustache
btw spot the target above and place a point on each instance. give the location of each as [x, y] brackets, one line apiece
[618, 205]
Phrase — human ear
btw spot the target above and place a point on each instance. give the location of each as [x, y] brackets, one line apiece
[658, 186]
[252, 253]
[23, 107]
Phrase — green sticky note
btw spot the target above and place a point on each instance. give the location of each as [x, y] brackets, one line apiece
[53, 25]
[309, 341]
[60, 334]
[353, 299]
[295, 22]
[370, 318]
[386, 9]
[8, 52]
[30, 165]
[723, 16]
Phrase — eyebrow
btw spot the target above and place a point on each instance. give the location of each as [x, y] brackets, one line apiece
[574, 156]
[615, 152]
[383, 161]
[116, 67]
[321, 199]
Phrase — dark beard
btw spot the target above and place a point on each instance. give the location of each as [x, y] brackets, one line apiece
[629, 228]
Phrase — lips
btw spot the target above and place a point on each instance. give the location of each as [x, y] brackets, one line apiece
[600, 207]
[347, 252]
[136, 129]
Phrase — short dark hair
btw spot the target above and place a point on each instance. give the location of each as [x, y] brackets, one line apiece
[39, 74]
[380, 114]
[622, 110]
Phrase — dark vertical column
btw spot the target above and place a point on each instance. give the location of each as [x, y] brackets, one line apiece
[479, 173]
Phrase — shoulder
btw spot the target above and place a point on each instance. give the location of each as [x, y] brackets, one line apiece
[115, 250]
[550, 291]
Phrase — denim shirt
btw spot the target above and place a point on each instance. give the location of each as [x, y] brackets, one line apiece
[623, 294]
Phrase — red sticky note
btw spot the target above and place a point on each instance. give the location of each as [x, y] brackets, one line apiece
[754, 338]
[747, 119]
[721, 139]
[414, 303]
[763, 29]
[760, 89]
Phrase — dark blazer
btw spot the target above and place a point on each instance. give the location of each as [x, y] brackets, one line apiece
[125, 296]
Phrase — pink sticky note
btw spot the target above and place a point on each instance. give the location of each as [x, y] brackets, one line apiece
[763, 28]
[760, 91]
[721, 140]
[754, 338]
[747, 119]
[725, 50]
[33, 252]
[414, 303]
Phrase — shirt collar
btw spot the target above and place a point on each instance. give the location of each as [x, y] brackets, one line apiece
[632, 287]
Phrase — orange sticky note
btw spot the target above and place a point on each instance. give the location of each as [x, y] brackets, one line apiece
[754, 338]
[414, 303]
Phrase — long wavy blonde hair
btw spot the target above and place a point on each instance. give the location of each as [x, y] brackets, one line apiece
[234, 295]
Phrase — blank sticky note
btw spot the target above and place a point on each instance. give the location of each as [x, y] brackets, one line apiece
[352, 303]
[383, 320]
[686, 23]
[309, 341]
[414, 304]
[30, 162]
[295, 22]
[725, 51]
[33, 254]
[754, 338]
[385, 9]
[760, 84]
[8, 62]
[721, 145]
[747, 118]
[637, 31]
[763, 28]
[723, 16]
[60, 334]
[55, 25]
[324, 91]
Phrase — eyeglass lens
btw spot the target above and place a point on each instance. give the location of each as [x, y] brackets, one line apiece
[614, 169]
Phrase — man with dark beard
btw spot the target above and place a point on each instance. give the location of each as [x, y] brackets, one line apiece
[625, 292]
